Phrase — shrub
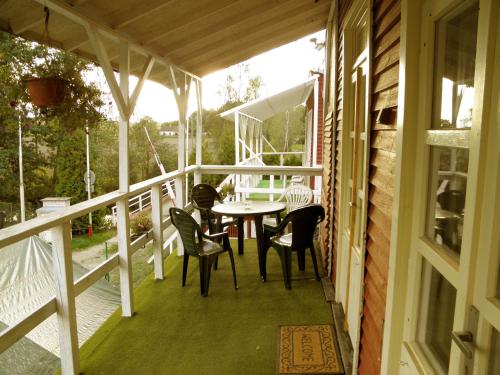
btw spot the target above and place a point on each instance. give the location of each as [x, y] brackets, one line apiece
[140, 224]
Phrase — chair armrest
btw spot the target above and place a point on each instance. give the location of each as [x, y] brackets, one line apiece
[214, 236]
[278, 229]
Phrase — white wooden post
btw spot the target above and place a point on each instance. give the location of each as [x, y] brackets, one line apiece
[65, 299]
[315, 131]
[123, 230]
[271, 186]
[181, 93]
[126, 105]
[156, 218]
[199, 130]
[237, 153]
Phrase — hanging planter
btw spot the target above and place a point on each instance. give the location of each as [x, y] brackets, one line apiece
[48, 91]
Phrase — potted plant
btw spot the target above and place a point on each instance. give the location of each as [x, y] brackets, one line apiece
[45, 88]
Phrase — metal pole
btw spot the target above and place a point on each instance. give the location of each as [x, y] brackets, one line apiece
[89, 192]
[21, 177]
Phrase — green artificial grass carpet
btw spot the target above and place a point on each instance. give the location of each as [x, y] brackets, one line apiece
[176, 331]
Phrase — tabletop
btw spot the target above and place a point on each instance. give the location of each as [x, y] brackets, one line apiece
[248, 208]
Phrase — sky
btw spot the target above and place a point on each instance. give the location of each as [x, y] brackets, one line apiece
[280, 68]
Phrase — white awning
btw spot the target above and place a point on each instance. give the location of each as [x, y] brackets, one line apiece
[264, 108]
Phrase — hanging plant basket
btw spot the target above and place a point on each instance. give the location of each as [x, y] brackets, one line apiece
[46, 92]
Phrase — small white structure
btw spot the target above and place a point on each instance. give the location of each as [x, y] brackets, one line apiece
[248, 120]
[49, 205]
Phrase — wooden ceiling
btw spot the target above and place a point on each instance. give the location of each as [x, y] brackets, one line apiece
[197, 36]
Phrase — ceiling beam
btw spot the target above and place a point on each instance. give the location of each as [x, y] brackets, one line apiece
[76, 43]
[27, 24]
[176, 18]
[142, 9]
[234, 36]
[245, 37]
[186, 27]
[227, 58]
[88, 20]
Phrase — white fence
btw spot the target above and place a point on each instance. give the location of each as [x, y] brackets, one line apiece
[63, 304]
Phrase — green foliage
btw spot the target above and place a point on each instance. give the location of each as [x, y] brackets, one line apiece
[275, 129]
[49, 135]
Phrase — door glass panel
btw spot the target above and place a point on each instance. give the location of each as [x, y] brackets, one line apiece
[494, 363]
[446, 201]
[454, 64]
[437, 314]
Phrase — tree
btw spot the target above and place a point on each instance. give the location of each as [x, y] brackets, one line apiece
[240, 85]
[49, 135]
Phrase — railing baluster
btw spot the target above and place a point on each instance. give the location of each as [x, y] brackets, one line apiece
[156, 218]
[65, 299]
[125, 264]
[179, 202]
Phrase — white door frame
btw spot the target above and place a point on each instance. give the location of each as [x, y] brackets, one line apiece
[359, 12]
[460, 274]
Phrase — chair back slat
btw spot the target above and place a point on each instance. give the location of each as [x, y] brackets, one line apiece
[297, 196]
[304, 221]
[204, 195]
[188, 229]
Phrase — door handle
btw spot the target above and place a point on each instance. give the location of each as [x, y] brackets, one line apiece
[464, 341]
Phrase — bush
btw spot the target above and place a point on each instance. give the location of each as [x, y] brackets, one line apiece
[140, 224]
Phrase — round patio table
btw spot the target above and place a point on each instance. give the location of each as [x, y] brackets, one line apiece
[257, 210]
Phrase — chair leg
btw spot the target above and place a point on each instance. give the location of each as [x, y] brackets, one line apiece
[184, 269]
[315, 263]
[287, 252]
[216, 263]
[231, 257]
[208, 268]
[263, 261]
[286, 264]
[202, 262]
[301, 257]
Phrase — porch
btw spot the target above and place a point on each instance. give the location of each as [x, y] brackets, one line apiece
[175, 331]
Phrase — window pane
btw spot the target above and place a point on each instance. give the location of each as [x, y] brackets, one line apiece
[494, 365]
[438, 308]
[446, 201]
[454, 63]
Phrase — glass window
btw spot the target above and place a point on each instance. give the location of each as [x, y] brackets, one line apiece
[437, 312]
[454, 64]
[446, 201]
[494, 363]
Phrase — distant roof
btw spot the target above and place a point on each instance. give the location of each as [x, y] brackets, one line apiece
[264, 108]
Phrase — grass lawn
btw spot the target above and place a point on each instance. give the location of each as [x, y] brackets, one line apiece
[82, 241]
[278, 184]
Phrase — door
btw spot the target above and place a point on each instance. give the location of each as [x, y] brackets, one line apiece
[453, 290]
[355, 158]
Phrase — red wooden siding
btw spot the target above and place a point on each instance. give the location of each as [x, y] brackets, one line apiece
[385, 69]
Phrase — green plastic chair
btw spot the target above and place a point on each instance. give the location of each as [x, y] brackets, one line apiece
[203, 198]
[200, 245]
[304, 221]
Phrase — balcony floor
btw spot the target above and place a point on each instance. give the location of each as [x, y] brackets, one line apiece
[176, 331]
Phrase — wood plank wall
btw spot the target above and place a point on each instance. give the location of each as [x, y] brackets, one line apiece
[385, 74]
[343, 7]
[385, 70]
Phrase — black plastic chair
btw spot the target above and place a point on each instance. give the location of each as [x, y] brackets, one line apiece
[200, 245]
[304, 221]
[203, 197]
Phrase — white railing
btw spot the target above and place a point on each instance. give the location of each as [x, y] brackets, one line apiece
[63, 304]
[143, 200]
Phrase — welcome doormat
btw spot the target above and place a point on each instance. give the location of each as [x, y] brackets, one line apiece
[308, 350]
